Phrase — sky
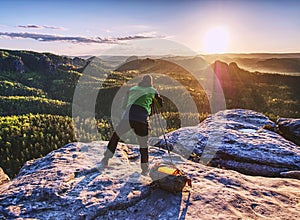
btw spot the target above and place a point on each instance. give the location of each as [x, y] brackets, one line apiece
[94, 27]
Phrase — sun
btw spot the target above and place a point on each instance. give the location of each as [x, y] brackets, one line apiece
[216, 40]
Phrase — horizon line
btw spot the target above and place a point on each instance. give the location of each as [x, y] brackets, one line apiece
[165, 55]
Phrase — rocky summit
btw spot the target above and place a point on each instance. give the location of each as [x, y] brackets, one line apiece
[66, 185]
[238, 139]
[62, 186]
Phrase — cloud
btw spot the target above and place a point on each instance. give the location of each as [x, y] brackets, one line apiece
[139, 26]
[56, 38]
[34, 26]
[150, 34]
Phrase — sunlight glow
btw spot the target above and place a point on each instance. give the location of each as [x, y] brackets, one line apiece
[216, 40]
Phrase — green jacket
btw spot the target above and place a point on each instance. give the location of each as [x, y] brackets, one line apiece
[142, 96]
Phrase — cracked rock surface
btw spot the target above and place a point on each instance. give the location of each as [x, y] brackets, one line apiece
[60, 186]
[238, 139]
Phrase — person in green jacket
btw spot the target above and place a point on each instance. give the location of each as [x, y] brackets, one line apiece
[138, 104]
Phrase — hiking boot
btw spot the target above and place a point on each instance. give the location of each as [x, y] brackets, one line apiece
[103, 163]
[145, 169]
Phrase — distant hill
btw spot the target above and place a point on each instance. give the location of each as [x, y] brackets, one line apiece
[30, 61]
[264, 62]
[273, 93]
[280, 64]
[52, 75]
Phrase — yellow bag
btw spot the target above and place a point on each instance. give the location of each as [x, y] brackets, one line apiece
[169, 178]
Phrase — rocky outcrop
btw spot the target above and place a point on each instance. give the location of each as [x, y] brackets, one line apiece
[52, 188]
[290, 129]
[10, 63]
[237, 139]
[36, 62]
[291, 174]
[30, 61]
[79, 62]
[3, 177]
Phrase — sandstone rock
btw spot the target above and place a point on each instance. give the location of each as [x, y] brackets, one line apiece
[48, 189]
[290, 129]
[236, 139]
[79, 62]
[291, 174]
[3, 177]
[12, 64]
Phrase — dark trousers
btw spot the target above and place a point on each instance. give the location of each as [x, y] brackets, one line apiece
[141, 130]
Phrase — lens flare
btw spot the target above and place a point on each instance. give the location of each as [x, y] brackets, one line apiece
[216, 40]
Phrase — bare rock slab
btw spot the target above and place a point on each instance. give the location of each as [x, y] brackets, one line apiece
[238, 139]
[290, 129]
[48, 188]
